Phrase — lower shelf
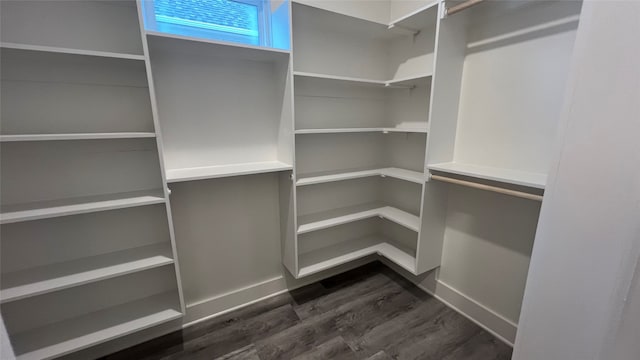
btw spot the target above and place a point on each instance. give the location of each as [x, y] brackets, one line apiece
[45, 279]
[212, 172]
[396, 173]
[329, 257]
[95, 328]
[79, 205]
[347, 215]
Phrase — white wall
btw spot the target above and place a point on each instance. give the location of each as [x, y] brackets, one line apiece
[581, 290]
[372, 10]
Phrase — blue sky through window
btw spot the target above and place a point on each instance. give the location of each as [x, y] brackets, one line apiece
[227, 16]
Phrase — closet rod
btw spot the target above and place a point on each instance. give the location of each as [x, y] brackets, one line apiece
[462, 6]
[500, 190]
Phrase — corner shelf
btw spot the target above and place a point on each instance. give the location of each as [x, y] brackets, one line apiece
[61, 338]
[515, 177]
[61, 50]
[396, 173]
[45, 279]
[78, 136]
[331, 256]
[416, 20]
[212, 172]
[79, 205]
[383, 130]
[405, 82]
[331, 218]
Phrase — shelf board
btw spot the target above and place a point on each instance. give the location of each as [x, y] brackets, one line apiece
[418, 19]
[534, 180]
[331, 218]
[359, 130]
[332, 256]
[402, 83]
[397, 173]
[77, 136]
[79, 205]
[259, 52]
[79, 333]
[212, 172]
[45, 279]
[61, 50]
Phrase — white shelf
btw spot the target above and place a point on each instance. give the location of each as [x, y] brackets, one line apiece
[75, 334]
[80, 205]
[515, 177]
[331, 218]
[269, 51]
[79, 136]
[212, 172]
[418, 19]
[402, 174]
[405, 82]
[359, 130]
[61, 50]
[45, 279]
[329, 257]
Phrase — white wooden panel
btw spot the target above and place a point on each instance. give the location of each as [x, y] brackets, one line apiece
[223, 224]
[495, 174]
[524, 55]
[371, 10]
[400, 9]
[77, 136]
[433, 217]
[62, 50]
[334, 44]
[87, 25]
[288, 221]
[47, 309]
[487, 247]
[61, 93]
[396, 173]
[79, 333]
[42, 171]
[211, 172]
[317, 240]
[346, 215]
[334, 195]
[201, 127]
[38, 243]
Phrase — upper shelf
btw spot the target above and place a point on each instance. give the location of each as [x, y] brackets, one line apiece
[251, 52]
[76, 136]
[401, 83]
[80, 205]
[212, 172]
[421, 18]
[515, 177]
[61, 50]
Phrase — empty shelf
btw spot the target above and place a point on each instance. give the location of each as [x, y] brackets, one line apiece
[211, 172]
[347, 215]
[358, 130]
[41, 280]
[421, 18]
[339, 78]
[406, 82]
[78, 136]
[402, 174]
[74, 334]
[331, 256]
[61, 50]
[80, 205]
[508, 176]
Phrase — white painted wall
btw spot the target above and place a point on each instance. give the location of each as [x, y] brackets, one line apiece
[581, 291]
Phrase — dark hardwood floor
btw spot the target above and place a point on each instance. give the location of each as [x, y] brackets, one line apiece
[367, 313]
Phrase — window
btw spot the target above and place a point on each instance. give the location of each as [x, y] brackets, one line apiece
[243, 21]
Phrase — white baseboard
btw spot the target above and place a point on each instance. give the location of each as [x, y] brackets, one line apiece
[233, 300]
[496, 324]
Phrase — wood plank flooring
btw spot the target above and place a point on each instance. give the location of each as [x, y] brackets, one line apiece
[369, 313]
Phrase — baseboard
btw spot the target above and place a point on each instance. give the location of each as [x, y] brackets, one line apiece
[496, 324]
[233, 300]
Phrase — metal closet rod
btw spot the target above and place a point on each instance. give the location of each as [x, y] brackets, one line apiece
[496, 189]
[462, 6]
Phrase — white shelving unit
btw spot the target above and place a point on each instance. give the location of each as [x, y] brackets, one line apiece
[362, 94]
[79, 150]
